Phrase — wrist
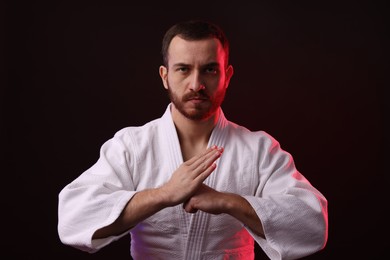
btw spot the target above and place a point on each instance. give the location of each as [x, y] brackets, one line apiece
[163, 197]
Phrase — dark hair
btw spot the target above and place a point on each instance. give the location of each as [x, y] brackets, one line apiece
[194, 30]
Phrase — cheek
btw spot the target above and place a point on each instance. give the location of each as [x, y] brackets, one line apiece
[217, 84]
[173, 81]
[178, 85]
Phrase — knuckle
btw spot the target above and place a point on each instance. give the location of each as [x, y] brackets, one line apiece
[204, 166]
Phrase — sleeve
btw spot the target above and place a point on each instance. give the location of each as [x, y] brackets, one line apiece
[96, 198]
[293, 213]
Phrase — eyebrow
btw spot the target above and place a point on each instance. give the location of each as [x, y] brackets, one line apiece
[180, 64]
[211, 64]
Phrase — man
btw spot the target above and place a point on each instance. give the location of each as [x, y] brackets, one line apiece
[191, 184]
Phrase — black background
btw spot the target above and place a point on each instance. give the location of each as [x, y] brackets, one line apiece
[310, 73]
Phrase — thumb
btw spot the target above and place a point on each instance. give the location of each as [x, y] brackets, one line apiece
[188, 207]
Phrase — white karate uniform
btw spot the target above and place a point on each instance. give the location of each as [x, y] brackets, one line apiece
[292, 211]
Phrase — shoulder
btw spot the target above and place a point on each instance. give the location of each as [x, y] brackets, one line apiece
[131, 139]
[142, 131]
[243, 131]
[253, 138]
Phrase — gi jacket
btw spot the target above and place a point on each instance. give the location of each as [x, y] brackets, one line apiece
[292, 211]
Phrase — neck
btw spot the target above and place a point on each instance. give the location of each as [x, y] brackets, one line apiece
[193, 135]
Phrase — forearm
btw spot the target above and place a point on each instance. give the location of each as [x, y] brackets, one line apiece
[238, 207]
[141, 206]
[214, 202]
[184, 182]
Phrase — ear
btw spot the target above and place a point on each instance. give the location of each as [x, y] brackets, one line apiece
[164, 76]
[228, 75]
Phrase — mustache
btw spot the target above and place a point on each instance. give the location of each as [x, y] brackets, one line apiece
[197, 95]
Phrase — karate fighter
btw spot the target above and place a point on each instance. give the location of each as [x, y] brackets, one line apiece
[192, 184]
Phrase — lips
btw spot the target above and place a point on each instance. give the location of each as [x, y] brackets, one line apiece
[195, 97]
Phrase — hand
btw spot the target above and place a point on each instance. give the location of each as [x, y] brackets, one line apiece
[186, 180]
[206, 199]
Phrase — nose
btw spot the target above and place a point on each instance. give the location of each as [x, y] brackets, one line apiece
[196, 83]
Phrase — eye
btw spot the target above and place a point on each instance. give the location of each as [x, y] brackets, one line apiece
[211, 70]
[182, 69]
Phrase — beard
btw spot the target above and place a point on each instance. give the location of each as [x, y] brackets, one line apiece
[201, 111]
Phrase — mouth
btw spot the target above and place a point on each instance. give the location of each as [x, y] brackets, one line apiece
[197, 100]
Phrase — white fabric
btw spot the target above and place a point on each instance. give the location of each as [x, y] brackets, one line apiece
[293, 212]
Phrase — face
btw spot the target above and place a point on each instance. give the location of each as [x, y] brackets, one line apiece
[196, 78]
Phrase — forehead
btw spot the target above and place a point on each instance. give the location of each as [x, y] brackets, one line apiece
[195, 51]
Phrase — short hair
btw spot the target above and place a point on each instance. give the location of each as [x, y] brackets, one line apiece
[194, 30]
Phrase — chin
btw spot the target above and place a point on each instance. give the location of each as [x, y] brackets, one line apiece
[199, 115]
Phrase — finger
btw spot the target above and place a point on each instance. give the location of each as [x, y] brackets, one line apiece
[202, 175]
[203, 163]
[205, 153]
[207, 159]
[188, 207]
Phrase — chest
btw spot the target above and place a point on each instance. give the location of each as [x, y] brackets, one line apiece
[189, 150]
